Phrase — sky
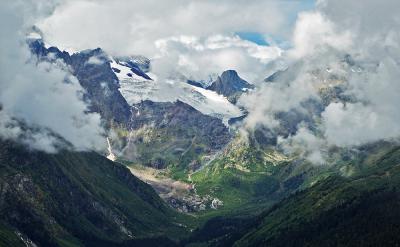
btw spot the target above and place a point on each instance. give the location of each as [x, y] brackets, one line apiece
[262, 38]
[254, 37]
[198, 38]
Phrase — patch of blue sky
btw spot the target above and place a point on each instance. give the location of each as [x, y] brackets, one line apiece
[267, 39]
[254, 37]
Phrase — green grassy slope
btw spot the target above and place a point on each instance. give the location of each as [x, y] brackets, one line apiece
[360, 210]
[75, 199]
[246, 176]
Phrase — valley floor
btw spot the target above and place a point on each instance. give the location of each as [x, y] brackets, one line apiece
[180, 195]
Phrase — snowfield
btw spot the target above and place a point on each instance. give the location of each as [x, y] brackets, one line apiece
[135, 88]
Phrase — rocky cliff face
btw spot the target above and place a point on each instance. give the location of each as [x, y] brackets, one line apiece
[93, 70]
[230, 85]
[162, 134]
[182, 116]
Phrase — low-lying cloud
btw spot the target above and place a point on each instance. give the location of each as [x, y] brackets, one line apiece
[365, 34]
[41, 104]
[200, 58]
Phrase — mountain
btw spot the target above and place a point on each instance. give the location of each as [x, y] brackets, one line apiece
[137, 87]
[139, 62]
[77, 199]
[276, 76]
[354, 204]
[134, 65]
[356, 210]
[195, 83]
[175, 127]
[230, 85]
[174, 135]
[245, 176]
[94, 73]
[112, 85]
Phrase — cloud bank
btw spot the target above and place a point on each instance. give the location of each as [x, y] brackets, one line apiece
[347, 46]
[197, 38]
[131, 27]
[199, 58]
[40, 103]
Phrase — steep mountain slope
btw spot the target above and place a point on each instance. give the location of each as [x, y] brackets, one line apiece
[94, 73]
[245, 176]
[355, 204]
[172, 135]
[76, 199]
[116, 87]
[136, 87]
[114, 84]
[230, 85]
[180, 133]
[360, 210]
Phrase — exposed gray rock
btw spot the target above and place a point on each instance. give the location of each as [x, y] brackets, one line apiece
[230, 85]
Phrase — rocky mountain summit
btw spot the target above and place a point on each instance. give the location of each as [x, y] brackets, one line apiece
[230, 85]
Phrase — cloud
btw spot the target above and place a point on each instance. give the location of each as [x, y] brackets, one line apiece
[272, 98]
[40, 101]
[347, 46]
[199, 58]
[306, 144]
[196, 38]
[132, 27]
[375, 116]
[314, 33]
[95, 60]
